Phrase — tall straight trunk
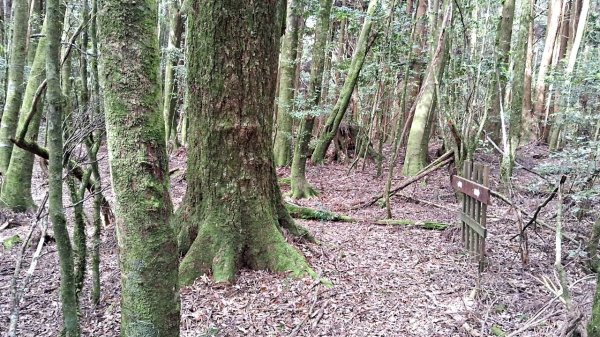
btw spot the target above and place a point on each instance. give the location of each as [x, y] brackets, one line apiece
[170, 95]
[337, 114]
[418, 138]
[55, 166]
[503, 41]
[16, 189]
[148, 257]
[555, 9]
[233, 221]
[14, 93]
[300, 187]
[289, 58]
[521, 89]
[92, 156]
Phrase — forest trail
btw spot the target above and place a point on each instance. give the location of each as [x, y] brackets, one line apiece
[387, 280]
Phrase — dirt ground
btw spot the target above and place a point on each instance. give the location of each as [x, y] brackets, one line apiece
[387, 280]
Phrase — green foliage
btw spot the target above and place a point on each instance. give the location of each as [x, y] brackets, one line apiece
[11, 242]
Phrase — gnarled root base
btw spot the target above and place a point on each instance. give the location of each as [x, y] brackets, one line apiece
[227, 242]
[302, 189]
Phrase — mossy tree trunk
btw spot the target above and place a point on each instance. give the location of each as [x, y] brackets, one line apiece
[16, 189]
[593, 329]
[521, 90]
[287, 69]
[148, 258]
[232, 211]
[418, 137]
[358, 59]
[300, 186]
[55, 165]
[499, 80]
[16, 83]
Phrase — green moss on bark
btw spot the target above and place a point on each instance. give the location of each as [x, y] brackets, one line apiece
[231, 212]
[139, 168]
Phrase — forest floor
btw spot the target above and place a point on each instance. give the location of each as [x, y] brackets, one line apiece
[387, 280]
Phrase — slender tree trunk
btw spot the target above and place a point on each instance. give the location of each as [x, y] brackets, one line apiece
[92, 156]
[233, 221]
[555, 8]
[521, 87]
[148, 257]
[170, 95]
[55, 165]
[300, 187]
[358, 59]
[503, 41]
[289, 59]
[593, 328]
[16, 83]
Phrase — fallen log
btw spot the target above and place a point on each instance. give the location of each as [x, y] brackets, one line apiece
[306, 213]
[428, 224]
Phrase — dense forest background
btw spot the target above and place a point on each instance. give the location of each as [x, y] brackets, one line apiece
[234, 168]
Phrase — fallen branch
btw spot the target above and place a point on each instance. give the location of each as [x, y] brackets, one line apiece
[543, 204]
[73, 168]
[426, 202]
[442, 161]
[297, 211]
[17, 292]
[524, 212]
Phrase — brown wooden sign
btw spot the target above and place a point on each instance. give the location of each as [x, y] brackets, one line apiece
[477, 191]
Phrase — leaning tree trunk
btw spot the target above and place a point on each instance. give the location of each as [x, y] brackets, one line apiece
[68, 295]
[358, 59]
[170, 95]
[139, 168]
[418, 137]
[300, 187]
[289, 58]
[14, 93]
[16, 189]
[232, 209]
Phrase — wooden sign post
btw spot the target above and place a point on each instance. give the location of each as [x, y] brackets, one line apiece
[476, 197]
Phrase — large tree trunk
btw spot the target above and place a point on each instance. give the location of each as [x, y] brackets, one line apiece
[68, 295]
[289, 57]
[14, 93]
[300, 187]
[337, 114]
[232, 210]
[139, 168]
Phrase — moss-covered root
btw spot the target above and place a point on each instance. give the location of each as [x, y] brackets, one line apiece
[307, 213]
[221, 249]
[301, 189]
[431, 225]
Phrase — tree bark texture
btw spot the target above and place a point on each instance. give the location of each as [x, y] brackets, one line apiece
[148, 258]
[233, 209]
